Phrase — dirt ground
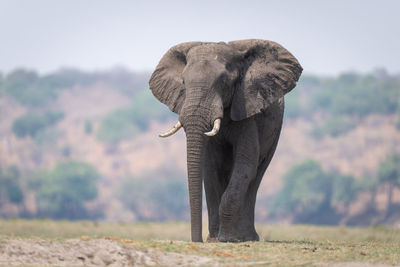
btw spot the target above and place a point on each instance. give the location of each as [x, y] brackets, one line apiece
[106, 252]
[99, 252]
[83, 243]
[103, 252]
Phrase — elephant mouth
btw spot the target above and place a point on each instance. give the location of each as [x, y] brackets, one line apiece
[178, 126]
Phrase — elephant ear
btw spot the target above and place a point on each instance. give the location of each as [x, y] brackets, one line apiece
[269, 72]
[166, 81]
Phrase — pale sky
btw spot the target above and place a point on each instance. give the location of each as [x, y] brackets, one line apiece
[327, 37]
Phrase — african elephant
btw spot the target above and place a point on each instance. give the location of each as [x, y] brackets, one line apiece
[230, 101]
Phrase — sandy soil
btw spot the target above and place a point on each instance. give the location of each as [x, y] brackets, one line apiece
[99, 252]
[106, 252]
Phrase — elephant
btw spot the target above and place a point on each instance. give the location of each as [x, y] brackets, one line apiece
[230, 102]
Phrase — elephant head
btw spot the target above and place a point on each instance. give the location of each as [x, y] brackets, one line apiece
[206, 83]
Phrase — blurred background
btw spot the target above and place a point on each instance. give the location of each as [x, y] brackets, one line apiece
[79, 126]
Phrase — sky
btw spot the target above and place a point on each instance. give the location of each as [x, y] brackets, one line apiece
[327, 37]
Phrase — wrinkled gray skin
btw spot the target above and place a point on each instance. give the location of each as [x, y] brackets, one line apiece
[243, 84]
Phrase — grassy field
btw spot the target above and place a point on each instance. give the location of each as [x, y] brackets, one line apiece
[280, 245]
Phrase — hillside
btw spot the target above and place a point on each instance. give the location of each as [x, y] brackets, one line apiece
[110, 121]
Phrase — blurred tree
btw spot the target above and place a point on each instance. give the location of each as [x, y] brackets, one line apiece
[125, 81]
[19, 79]
[28, 88]
[309, 81]
[370, 184]
[306, 192]
[46, 136]
[20, 84]
[334, 126]
[152, 198]
[62, 192]
[1, 84]
[145, 107]
[126, 123]
[171, 196]
[10, 185]
[57, 81]
[297, 101]
[389, 175]
[292, 104]
[117, 126]
[312, 195]
[361, 95]
[32, 122]
[88, 127]
[345, 190]
[66, 150]
[398, 120]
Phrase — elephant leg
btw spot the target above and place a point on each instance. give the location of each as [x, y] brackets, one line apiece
[250, 201]
[233, 210]
[249, 209]
[216, 170]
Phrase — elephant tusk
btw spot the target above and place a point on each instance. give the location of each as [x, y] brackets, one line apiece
[215, 130]
[172, 131]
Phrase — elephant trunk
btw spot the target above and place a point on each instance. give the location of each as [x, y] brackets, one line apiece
[195, 143]
[198, 112]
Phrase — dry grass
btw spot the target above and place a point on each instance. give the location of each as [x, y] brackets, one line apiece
[48, 229]
[280, 245]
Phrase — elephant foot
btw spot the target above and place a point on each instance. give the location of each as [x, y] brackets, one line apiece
[238, 238]
[212, 239]
[225, 239]
[253, 237]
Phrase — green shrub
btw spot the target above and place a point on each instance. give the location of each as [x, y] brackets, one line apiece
[63, 191]
[32, 123]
